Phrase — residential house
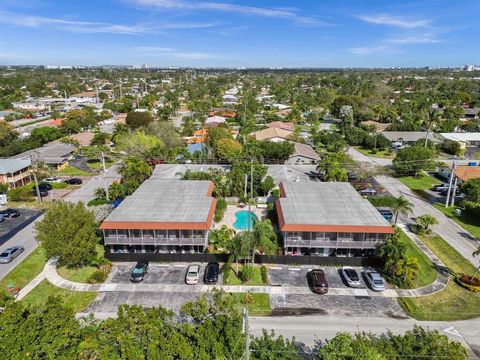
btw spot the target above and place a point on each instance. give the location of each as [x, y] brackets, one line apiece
[464, 139]
[303, 154]
[272, 134]
[408, 138]
[379, 127]
[290, 126]
[462, 173]
[15, 172]
[54, 154]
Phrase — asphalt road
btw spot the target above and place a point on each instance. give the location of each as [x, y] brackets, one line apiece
[26, 236]
[313, 328]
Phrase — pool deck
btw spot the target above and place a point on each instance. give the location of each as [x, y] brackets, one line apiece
[229, 217]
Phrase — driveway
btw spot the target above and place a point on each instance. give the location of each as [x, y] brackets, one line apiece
[358, 156]
[448, 229]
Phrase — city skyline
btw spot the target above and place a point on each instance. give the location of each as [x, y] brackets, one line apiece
[166, 33]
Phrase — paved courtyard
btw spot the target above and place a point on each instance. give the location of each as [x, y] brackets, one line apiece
[229, 216]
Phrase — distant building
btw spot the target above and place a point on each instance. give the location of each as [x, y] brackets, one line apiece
[464, 139]
[407, 138]
[54, 154]
[303, 154]
[15, 172]
[272, 134]
[290, 126]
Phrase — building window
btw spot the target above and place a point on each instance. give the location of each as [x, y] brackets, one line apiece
[358, 236]
[122, 233]
[331, 236]
[344, 236]
[135, 234]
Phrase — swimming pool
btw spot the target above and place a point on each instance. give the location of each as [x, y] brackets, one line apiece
[244, 220]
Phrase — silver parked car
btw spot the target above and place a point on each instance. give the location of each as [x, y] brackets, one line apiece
[374, 280]
[11, 253]
[193, 274]
[351, 276]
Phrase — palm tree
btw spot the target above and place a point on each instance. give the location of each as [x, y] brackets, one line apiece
[433, 118]
[220, 238]
[391, 251]
[238, 247]
[407, 268]
[402, 206]
[476, 253]
[263, 237]
[426, 221]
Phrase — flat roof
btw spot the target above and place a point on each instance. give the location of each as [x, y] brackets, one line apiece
[327, 206]
[162, 204]
[8, 166]
[468, 136]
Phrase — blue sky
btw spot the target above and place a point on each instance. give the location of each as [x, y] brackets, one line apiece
[315, 33]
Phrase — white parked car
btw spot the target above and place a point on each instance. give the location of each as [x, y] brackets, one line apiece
[193, 274]
[375, 280]
[53, 180]
[351, 276]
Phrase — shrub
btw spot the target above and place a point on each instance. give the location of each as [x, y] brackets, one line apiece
[464, 281]
[264, 273]
[226, 271]
[220, 209]
[247, 272]
[20, 194]
[418, 229]
[96, 202]
[97, 277]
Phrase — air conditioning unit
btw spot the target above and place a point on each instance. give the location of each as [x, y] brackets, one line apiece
[3, 199]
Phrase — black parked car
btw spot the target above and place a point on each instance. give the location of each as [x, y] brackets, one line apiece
[43, 193]
[44, 186]
[317, 281]
[10, 213]
[211, 273]
[73, 181]
[139, 272]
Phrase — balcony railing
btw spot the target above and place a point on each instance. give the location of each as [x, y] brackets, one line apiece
[342, 244]
[125, 240]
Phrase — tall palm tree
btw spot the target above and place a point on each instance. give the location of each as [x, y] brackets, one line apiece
[263, 237]
[239, 246]
[476, 253]
[433, 118]
[402, 206]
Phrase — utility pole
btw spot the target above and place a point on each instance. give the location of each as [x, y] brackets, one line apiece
[454, 165]
[246, 183]
[35, 178]
[246, 332]
[104, 178]
[454, 192]
[97, 97]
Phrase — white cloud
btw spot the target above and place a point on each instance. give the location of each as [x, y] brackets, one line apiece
[282, 13]
[407, 40]
[91, 27]
[390, 20]
[174, 53]
[371, 50]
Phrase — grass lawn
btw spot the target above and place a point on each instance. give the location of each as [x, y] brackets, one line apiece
[427, 273]
[258, 304]
[80, 275]
[422, 182]
[453, 303]
[73, 171]
[97, 165]
[469, 222]
[384, 154]
[77, 300]
[26, 271]
[234, 280]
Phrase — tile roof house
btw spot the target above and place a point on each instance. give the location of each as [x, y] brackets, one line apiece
[272, 134]
[282, 125]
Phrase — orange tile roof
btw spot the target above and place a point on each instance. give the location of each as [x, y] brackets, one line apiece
[466, 173]
[56, 122]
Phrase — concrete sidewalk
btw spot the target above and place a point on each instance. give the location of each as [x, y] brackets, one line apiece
[53, 277]
[449, 230]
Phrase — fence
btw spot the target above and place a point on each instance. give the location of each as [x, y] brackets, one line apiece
[259, 259]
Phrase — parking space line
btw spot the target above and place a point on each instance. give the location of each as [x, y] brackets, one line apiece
[275, 268]
[294, 269]
[180, 265]
[360, 292]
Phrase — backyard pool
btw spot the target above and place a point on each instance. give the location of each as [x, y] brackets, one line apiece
[244, 220]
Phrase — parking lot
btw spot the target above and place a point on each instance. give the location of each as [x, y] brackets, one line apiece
[157, 274]
[10, 226]
[281, 304]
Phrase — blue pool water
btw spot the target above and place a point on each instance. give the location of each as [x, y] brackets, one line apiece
[244, 220]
